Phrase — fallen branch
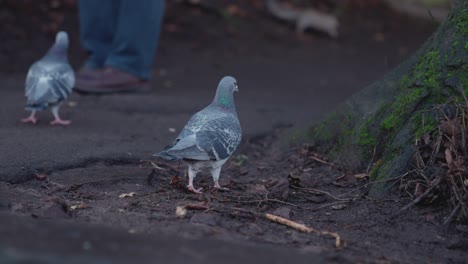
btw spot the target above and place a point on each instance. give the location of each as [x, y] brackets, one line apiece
[323, 162]
[290, 223]
[181, 210]
[455, 210]
[157, 167]
[316, 191]
[326, 205]
[339, 243]
[419, 198]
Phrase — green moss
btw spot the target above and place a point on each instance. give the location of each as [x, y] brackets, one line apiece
[366, 139]
[461, 23]
[298, 135]
[428, 70]
[405, 82]
[390, 122]
[446, 57]
[463, 76]
[426, 76]
[382, 167]
[423, 124]
[401, 107]
[375, 170]
[322, 132]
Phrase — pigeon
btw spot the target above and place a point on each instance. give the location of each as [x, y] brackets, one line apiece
[210, 136]
[50, 81]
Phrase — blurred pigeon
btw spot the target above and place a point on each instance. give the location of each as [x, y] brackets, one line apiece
[50, 81]
[210, 136]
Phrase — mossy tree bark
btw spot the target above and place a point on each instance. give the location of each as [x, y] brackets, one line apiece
[377, 127]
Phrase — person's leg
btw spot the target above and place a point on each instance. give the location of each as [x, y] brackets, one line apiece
[136, 37]
[98, 20]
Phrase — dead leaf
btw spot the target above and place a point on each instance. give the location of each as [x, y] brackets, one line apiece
[427, 138]
[293, 180]
[361, 175]
[450, 126]
[181, 211]
[130, 194]
[448, 156]
[41, 176]
[81, 205]
[339, 206]
[174, 180]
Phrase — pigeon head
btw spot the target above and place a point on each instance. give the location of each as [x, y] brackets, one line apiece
[61, 39]
[59, 49]
[224, 94]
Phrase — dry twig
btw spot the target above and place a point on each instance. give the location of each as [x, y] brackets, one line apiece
[419, 198]
[316, 191]
[339, 243]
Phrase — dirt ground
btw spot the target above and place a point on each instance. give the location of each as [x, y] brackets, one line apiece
[97, 198]
[142, 199]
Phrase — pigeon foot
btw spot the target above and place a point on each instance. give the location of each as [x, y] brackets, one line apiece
[30, 119]
[192, 189]
[61, 122]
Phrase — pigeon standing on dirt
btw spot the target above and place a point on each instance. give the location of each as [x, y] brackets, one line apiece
[50, 81]
[210, 136]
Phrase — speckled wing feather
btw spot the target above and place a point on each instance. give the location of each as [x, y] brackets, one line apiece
[211, 134]
[48, 83]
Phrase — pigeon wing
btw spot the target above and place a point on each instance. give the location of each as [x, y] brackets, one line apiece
[220, 138]
[213, 139]
[49, 83]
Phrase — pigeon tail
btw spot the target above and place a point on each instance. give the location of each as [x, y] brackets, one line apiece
[35, 107]
[166, 156]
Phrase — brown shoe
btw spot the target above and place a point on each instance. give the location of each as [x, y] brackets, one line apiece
[109, 80]
[87, 72]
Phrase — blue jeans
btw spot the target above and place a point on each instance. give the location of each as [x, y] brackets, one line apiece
[121, 33]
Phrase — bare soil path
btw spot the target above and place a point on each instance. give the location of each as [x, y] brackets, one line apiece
[72, 210]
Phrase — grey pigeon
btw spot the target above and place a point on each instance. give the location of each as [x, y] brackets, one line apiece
[50, 81]
[210, 136]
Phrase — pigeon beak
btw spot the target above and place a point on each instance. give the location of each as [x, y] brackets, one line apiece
[236, 88]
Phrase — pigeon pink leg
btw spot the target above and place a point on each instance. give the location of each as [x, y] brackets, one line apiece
[191, 174]
[215, 173]
[58, 120]
[31, 118]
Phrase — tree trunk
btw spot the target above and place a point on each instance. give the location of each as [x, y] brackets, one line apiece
[376, 129]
